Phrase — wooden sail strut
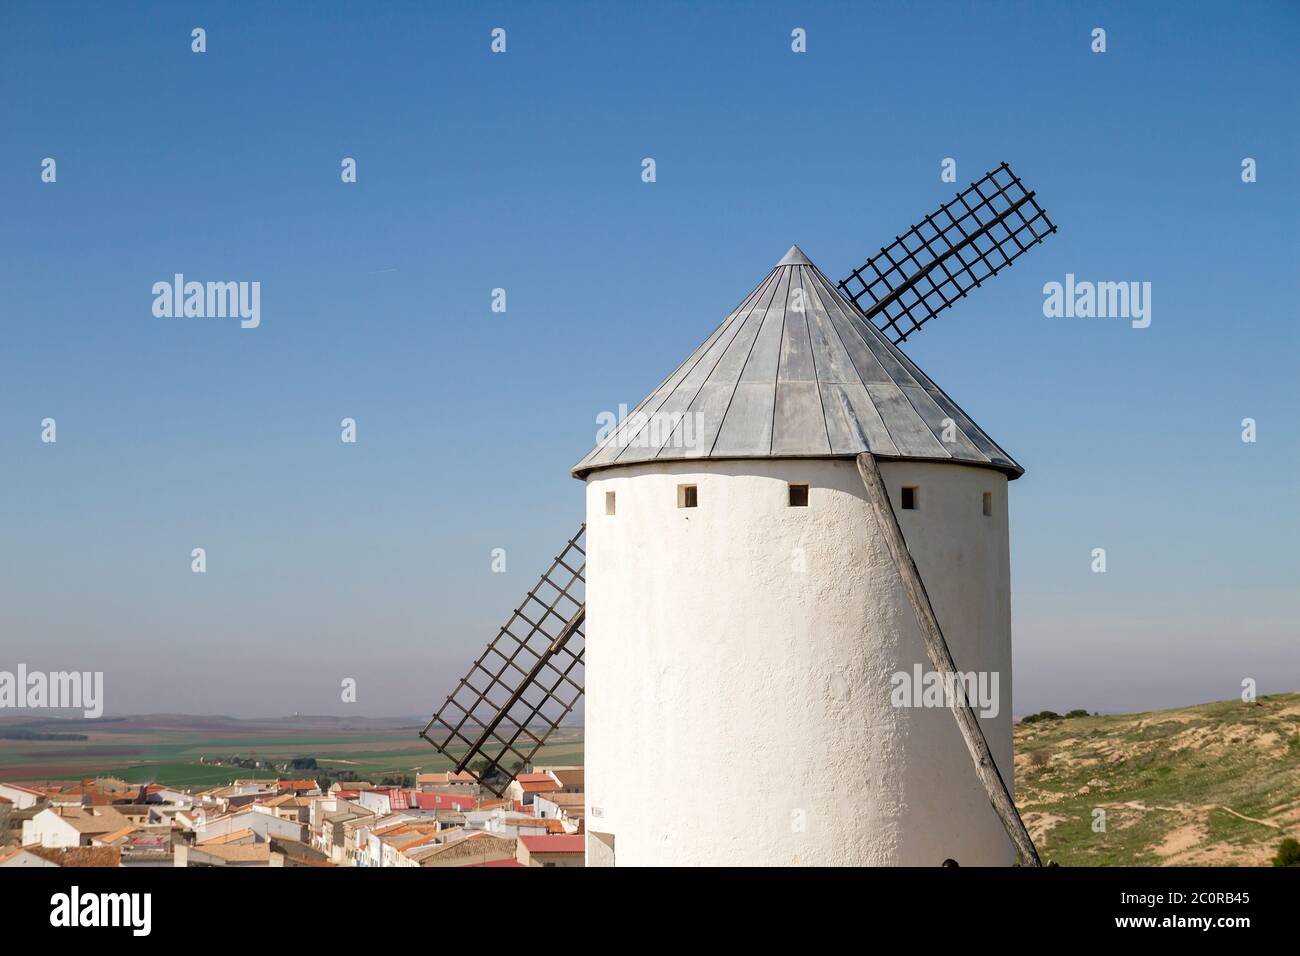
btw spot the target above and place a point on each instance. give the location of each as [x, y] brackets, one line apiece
[936, 649]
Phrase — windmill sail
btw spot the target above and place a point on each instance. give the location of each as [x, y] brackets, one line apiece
[986, 227]
[525, 682]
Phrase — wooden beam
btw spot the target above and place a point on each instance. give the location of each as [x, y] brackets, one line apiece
[561, 639]
[936, 649]
[912, 280]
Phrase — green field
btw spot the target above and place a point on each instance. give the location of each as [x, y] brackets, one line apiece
[186, 774]
[167, 748]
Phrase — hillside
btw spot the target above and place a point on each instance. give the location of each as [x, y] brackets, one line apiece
[1214, 784]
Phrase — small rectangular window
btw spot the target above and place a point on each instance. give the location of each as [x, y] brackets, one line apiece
[609, 502]
[909, 498]
[798, 496]
[687, 497]
[988, 504]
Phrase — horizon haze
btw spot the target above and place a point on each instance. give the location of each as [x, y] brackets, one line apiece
[373, 561]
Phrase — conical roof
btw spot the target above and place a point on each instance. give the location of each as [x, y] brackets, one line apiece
[796, 372]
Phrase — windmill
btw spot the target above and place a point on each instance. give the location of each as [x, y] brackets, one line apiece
[750, 614]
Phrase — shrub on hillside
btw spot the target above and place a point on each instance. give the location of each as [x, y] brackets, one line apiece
[1052, 715]
[1288, 853]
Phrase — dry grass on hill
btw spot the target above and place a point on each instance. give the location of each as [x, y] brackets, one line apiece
[1211, 785]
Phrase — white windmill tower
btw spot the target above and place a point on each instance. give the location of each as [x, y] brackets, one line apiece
[753, 586]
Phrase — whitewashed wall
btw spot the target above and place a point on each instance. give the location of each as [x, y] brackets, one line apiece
[739, 657]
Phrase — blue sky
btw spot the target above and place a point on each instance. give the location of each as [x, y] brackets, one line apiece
[522, 171]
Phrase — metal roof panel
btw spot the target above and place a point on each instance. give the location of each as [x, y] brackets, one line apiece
[796, 372]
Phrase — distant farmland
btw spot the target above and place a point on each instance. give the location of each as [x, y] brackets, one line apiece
[166, 748]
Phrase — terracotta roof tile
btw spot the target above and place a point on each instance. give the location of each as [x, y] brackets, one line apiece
[572, 843]
[239, 852]
[530, 786]
[446, 777]
[104, 820]
[496, 863]
[567, 799]
[79, 856]
[117, 834]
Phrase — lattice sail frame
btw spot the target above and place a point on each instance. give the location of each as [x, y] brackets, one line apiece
[986, 227]
[525, 682]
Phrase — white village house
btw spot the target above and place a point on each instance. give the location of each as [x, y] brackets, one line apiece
[71, 826]
[22, 798]
[262, 821]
